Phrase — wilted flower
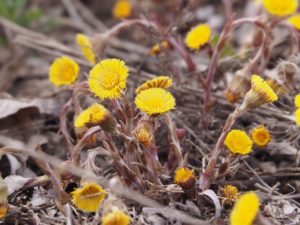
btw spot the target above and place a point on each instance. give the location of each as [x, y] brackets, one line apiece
[63, 71]
[245, 209]
[297, 100]
[94, 115]
[185, 177]
[122, 9]
[261, 136]
[297, 115]
[108, 78]
[198, 36]
[86, 47]
[238, 142]
[158, 82]
[280, 7]
[259, 94]
[231, 193]
[237, 88]
[89, 197]
[116, 217]
[143, 133]
[155, 101]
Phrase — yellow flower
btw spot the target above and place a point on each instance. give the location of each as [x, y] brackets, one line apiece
[245, 209]
[198, 36]
[238, 142]
[94, 115]
[156, 49]
[185, 177]
[116, 217]
[280, 7]
[295, 21]
[158, 82]
[297, 115]
[297, 100]
[143, 135]
[261, 136]
[86, 47]
[108, 78]
[231, 193]
[260, 93]
[155, 101]
[122, 9]
[89, 197]
[63, 71]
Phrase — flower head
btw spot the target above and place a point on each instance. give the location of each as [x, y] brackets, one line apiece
[63, 71]
[122, 9]
[89, 197]
[185, 177]
[297, 115]
[238, 142]
[295, 21]
[144, 134]
[259, 94]
[198, 36]
[94, 115]
[108, 78]
[297, 100]
[116, 217]
[156, 49]
[261, 136]
[158, 82]
[245, 209]
[237, 88]
[280, 7]
[231, 193]
[86, 47]
[155, 101]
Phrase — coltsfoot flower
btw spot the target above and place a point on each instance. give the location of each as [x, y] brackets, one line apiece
[198, 36]
[297, 115]
[295, 21]
[259, 94]
[122, 9]
[231, 193]
[116, 217]
[94, 115]
[144, 135]
[89, 197]
[63, 71]
[156, 49]
[280, 7]
[155, 101]
[245, 209]
[261, 136]
[297, 101]
[158, 82]
[107, 79]
[86, 47]
[185, 177]
[238, 142]
[237, 88]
